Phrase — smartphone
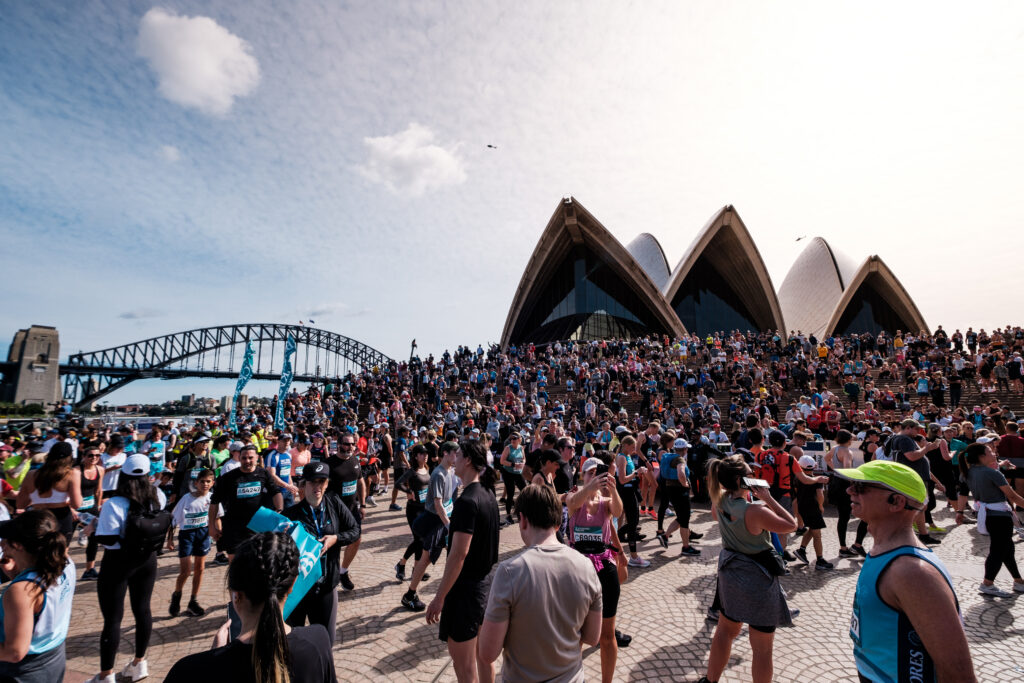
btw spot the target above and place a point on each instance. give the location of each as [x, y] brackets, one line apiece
[600, 469]
[754, 483]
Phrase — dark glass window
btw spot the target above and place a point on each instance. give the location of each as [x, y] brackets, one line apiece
[868, 311]
[707, 303]
[584, 299]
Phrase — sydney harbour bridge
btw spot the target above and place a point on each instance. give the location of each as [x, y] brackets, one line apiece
[33, 373]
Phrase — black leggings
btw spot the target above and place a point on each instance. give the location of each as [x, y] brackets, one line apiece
[320, 606]
[862, 532]
[629, 530]
[512, 481]
[610, 589]
[930, 485]
[119, 574]
[1000, 548]
[841, 499]
[679, 496]
[412, 511]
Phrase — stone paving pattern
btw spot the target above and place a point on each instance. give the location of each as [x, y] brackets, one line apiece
[663, 607]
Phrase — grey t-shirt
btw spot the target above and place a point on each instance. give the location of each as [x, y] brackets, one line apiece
[985, 483]
[442, 485]
[900, 444]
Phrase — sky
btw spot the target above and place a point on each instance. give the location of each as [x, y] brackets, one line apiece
[186, 164]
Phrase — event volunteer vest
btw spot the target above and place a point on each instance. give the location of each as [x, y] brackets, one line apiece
[51, 624]
[885, 645]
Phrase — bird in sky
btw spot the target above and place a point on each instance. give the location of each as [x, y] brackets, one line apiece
[492, 147]
[801, 237]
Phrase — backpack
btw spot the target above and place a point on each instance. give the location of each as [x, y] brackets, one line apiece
[145, 530]
[777, 470]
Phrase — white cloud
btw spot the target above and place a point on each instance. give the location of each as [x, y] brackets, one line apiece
[199, 63]
[141, 313]
[411, 162]
[170, 153]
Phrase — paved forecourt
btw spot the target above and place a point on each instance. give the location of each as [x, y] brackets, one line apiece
[662, 607]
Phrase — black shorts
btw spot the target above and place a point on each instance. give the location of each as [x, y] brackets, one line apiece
[810, 513]
[610, 589]
[463, 612]
[385, 460]
[399, 471]
[232, 538]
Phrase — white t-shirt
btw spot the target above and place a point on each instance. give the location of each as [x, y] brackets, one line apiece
[193, 512]
[110, 476]
[229, 464]
[114, 513]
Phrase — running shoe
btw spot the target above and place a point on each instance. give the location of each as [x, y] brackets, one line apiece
[928, 540]
[689, 550]
[175, 607]
[411, 601]
[220, 559]
[994, 591]
[801, 531]
[90, 575]
[426, 577]
[662, 539]
[801, 554]
[135, 672]
[83, 540]
[371, 502]
[400, 571]
[383, 490]
[346, 582]
[395, 507]
[823, 565]
[622, 639]
[694, 536]
[639, 562]
[847, 552]
[641, 537]
[1018, 587]
[794, 613]
[788, 556]
[859, 549]
[936, 529]
[670, 513]
[193, 609]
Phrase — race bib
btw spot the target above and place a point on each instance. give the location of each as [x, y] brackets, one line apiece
[88, 502]
[285, 471]
[195, 473]
[348, 488]
[448, 507]
[249, 490]
[421, 495]
[195, 520]
[582, 534]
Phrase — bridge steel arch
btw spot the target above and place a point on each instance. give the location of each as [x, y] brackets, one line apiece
[90, 376]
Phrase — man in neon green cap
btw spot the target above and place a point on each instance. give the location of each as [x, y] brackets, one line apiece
[906, 621]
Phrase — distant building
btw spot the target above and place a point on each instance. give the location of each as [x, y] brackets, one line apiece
[189, 400]
[225, 403]
[243, 401]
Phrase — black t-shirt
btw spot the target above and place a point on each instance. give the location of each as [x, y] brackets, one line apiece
[311, 657]
[476, 512]
[563, 478]
[242, 494]
[345, 475]
[415, 482]
[900, 444]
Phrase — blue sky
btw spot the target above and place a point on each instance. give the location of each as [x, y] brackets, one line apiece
[175, 165]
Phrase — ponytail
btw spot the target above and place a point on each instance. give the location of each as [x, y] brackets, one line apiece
[265, 568]
[38, 532]
[724, 474]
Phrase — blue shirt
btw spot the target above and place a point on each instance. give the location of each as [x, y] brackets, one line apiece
[51, 624]
[281, 463]
[885, 645]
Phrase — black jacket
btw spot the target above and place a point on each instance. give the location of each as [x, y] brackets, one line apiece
[337, 521]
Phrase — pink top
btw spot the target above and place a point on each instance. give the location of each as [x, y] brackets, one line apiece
[593, 528]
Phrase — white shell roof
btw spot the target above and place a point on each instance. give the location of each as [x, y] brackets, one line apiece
[647, 252]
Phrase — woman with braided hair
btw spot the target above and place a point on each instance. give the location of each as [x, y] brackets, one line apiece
[268, 651]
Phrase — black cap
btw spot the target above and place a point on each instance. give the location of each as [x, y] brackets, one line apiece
[315, 470]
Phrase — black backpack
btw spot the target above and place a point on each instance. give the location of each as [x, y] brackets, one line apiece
[145, 529]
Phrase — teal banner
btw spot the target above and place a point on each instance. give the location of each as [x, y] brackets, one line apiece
[286, 381]
[243, 378]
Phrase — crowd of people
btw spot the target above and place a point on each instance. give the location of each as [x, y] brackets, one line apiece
[577, 443]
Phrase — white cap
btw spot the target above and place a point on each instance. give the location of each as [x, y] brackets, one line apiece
[680, 444]
[136, 465]
[806, 461]
[591, 464]
[986, 439]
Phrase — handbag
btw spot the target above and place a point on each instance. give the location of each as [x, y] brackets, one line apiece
[771, 561]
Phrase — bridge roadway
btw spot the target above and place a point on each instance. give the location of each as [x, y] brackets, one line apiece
[663, 607]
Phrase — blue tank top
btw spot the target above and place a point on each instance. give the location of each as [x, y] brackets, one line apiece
[887, 649]
[51, 624]
[630, 467]
[517, 458]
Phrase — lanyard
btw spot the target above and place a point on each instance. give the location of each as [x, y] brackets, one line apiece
[317, 523]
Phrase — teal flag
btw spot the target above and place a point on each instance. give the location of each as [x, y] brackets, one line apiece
[243, 378]
[286, 381]
[310, 549]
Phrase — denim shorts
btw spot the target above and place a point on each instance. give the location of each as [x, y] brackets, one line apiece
[194, 542]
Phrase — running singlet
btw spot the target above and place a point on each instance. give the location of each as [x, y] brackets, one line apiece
[885, 645]
[51, 624]
[516, 457]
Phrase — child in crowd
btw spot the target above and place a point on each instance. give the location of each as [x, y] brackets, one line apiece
[810, 499]
[192, 516]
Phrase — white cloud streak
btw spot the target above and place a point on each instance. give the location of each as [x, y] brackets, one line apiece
[198, 62]
[140, 313]
[411, 162]
[169, 153]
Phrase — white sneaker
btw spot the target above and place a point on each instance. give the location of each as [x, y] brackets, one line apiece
[994, 591]
[136, 672]
[371, 502]
[638, 562]
[103, 679]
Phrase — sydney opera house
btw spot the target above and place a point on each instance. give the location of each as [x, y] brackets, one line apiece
[581, 283]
